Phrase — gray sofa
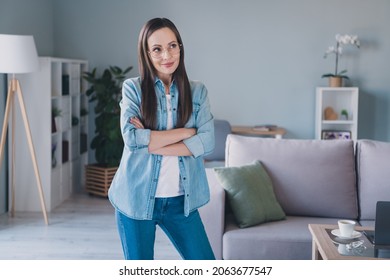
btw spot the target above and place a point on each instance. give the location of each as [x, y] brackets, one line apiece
[315, 181]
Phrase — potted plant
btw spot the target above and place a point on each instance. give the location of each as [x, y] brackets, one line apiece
[105, 91]
[344, 114]
[336, 78]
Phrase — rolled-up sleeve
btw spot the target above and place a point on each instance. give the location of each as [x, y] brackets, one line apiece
[203, 142]
[136, 140]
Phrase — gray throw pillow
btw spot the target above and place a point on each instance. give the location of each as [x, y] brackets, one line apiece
[250, 193]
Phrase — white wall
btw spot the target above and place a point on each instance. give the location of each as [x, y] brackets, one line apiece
[261, 60]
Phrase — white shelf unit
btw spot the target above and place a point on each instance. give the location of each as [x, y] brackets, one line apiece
[338, 98]
[57, 84]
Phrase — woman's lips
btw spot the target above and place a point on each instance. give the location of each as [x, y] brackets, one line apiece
[168, 65]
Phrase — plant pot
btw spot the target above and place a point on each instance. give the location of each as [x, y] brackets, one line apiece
[98, 179]
[335, 81]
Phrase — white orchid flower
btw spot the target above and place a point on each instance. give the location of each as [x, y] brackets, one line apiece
[347, 39]
[331, 49]
[355, 41]
[337, 50]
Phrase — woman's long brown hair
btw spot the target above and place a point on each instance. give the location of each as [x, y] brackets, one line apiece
[148, 74]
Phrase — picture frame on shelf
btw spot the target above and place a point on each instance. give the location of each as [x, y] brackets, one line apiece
[336, 135]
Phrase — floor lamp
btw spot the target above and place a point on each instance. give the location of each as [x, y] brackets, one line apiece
[18, 55]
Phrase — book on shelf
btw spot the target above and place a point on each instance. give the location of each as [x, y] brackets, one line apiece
[265, 127]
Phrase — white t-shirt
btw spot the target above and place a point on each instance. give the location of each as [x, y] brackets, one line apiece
[168, 182]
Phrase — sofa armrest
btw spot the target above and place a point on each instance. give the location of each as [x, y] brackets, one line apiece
[213, 213]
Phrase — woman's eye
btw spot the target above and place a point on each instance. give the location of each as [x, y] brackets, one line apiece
[156, 50]
[173, 46]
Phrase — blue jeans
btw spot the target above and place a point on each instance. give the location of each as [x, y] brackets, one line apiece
[186, 233]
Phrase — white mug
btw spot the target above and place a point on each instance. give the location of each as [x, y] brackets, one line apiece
[346, 227]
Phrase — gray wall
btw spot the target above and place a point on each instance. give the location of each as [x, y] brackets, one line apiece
[24, 17]
[261, 60]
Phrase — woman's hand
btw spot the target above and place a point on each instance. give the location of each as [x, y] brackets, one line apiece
[186, 132]
[136, 122]
[189, 131]
[167, 142]
[163, 138]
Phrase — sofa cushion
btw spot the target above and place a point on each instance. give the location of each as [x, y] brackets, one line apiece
[250, 193]
[310, 177]
[373, 168]
[221, 130]
[289, 239]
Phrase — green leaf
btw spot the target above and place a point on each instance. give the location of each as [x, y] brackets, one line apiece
[342, 72]
[105, 92]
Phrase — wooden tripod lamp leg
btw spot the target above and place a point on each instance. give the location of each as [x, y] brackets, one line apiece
[32, 151]
[15, 87]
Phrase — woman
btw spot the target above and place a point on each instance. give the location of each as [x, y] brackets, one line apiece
[167, 127]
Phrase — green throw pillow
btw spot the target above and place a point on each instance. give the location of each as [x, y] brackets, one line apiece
[250, 193]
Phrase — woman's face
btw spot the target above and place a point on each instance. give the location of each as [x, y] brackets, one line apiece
[164, 52]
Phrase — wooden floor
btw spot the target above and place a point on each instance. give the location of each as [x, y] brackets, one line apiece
[82, 228]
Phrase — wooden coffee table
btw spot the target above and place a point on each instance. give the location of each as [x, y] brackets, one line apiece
[324, 247]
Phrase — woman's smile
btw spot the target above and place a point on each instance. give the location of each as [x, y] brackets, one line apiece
[168, 64]
[162, 40]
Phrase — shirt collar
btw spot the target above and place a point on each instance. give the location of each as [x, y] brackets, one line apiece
[160, 83]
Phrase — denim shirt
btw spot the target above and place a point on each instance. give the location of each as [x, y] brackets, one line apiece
[132, 191]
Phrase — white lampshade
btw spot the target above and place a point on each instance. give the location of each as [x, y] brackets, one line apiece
[18, 54]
